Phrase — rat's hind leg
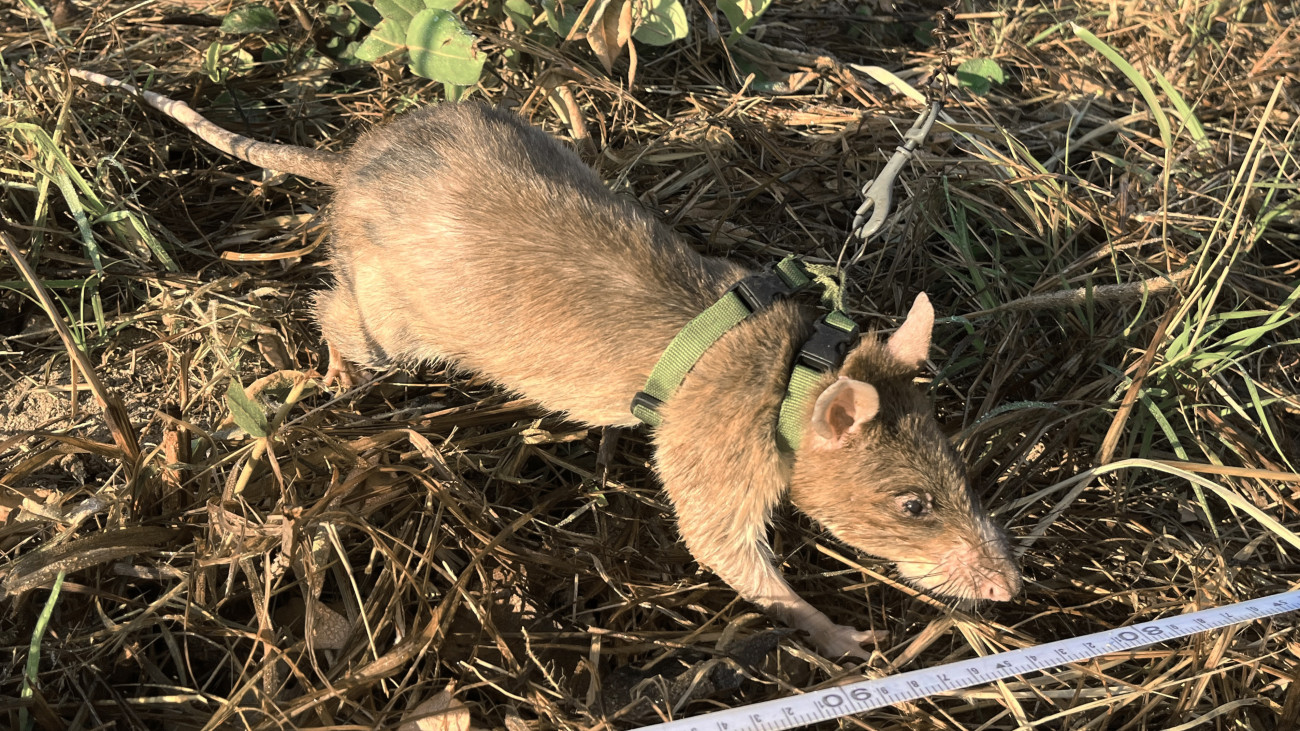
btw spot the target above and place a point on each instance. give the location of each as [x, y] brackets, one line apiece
[350, 345]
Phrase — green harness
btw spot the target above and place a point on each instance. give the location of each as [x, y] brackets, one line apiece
[822, 352]
[833, 333]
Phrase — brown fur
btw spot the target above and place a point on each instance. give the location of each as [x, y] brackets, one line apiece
[461, 233]
[900, 454]
[491, 272]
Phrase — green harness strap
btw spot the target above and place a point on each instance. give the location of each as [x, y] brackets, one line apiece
[746, 297]
[822, 352]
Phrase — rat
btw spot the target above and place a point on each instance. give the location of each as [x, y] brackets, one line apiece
[462, 234]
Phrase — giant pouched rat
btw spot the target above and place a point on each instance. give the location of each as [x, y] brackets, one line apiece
[461, 233]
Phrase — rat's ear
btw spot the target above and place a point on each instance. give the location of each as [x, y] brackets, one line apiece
[910, 343]
[841, 410]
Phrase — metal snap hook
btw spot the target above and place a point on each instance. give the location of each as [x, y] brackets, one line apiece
[878, 194]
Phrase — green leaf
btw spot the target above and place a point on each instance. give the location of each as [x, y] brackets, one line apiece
[742, 14]
[393, 11]
[275, 53]
[365, 12]
[246, 414]
[442, 49]
[341, 50]
[441, 4]
[412, 6]
[1138, 80]
[521, 12]
[212, 66]
[389, 36]
[986, 67]
[223, 60]
[980, 74]
[561, 17]
[660, 22]
[1199, 482]
[399, 10]
[82, 199]
[342, 22]
[241, 61]
[250, 19]
[747, 66]
[32, 670]
[1194, 126]
[335, 46]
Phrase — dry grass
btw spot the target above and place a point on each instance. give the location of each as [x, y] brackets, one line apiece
[427, 530]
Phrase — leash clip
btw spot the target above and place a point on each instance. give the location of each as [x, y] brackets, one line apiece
[878, 194]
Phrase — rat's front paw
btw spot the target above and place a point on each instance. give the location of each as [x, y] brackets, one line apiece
[839, 640]
[342, 370]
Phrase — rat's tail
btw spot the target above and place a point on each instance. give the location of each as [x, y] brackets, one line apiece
[302, 161]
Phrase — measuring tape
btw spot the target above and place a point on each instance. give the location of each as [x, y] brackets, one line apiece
[828, 703]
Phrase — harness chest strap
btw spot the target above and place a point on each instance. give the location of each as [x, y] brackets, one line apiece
[821, 353]
[743, 299]
[832, 334]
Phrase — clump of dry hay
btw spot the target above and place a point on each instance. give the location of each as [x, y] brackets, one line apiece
[427, 530]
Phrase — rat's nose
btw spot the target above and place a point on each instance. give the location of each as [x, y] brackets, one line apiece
[994, 591]
[999, 587]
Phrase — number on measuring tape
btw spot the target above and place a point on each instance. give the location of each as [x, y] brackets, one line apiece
[863, 696]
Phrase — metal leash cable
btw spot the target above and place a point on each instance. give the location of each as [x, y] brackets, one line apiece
[877, 194]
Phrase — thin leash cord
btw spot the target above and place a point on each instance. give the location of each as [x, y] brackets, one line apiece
[878, 193]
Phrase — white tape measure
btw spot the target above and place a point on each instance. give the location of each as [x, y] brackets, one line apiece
[828, 703]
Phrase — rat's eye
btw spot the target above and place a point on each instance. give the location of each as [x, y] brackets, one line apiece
[914, 506]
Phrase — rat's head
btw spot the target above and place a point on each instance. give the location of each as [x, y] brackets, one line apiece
[875, 469]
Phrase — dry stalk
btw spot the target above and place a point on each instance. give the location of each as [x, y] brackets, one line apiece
[119, 424]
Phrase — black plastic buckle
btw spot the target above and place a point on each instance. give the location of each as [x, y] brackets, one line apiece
[644, 399]
[825, 349]
[758, 291]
